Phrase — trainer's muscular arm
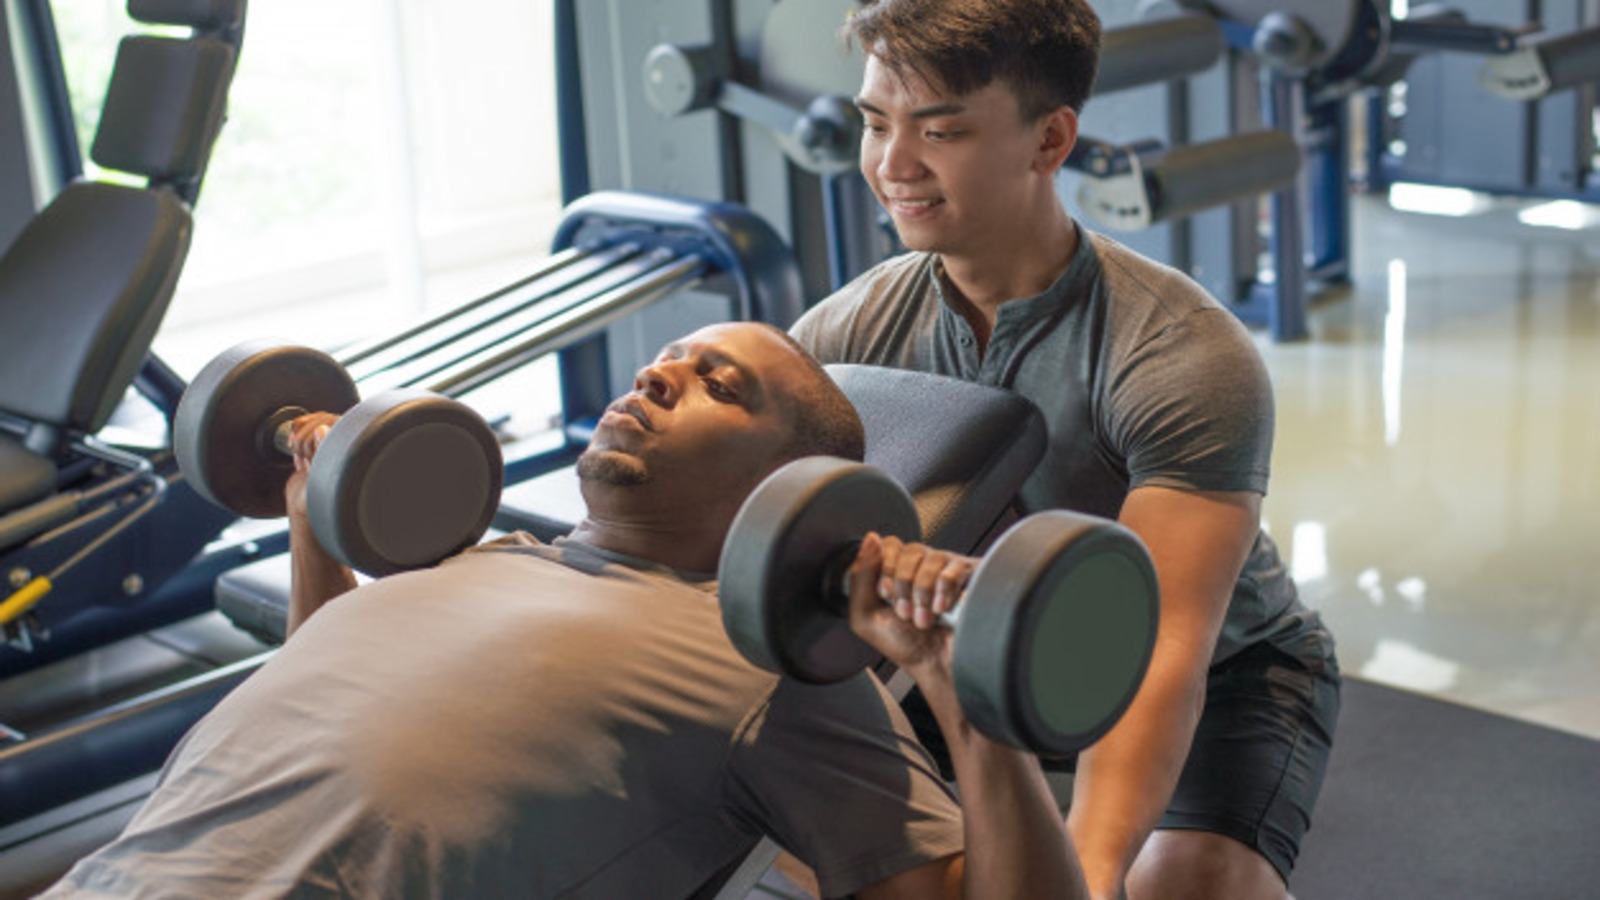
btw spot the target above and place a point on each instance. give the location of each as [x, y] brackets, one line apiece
[1199, 542]
[316, 577]
[1016, 844]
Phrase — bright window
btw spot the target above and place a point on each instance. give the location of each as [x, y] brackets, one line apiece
[382, 159]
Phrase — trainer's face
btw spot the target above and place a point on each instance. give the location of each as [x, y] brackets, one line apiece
[958, 174]
[705, 422]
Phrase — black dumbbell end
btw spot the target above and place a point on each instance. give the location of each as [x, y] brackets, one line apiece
[403, 481]
[221, 434]
[796, 527]
[1059, 629]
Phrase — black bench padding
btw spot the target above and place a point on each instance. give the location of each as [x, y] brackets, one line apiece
[962, 450]
[82, 291]
[1425, 798]
[255, 598]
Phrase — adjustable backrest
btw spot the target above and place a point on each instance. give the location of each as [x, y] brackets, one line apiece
[164, 106]
[961, 449]
[85, 285]
[81, 293]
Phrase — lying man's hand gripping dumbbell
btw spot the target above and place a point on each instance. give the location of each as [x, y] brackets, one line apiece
[573, 720]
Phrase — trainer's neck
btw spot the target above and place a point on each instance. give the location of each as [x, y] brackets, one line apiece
[979, 284]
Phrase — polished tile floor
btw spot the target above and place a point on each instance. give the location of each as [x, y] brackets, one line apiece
[1436, 481]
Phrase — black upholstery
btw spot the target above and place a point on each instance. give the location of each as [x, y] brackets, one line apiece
[203, 15]
[163, 107]
[961, 449]
[81, 292]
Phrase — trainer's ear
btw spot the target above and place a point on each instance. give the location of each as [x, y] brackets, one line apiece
[1058, 132]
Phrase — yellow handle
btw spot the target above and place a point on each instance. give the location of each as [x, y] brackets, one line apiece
[23, 600]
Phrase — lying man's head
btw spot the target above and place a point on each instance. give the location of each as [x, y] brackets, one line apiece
[713, 415]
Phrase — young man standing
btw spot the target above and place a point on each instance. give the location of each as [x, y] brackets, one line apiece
[1160, 415]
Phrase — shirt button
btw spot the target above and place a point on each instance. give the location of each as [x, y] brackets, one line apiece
[966, 340]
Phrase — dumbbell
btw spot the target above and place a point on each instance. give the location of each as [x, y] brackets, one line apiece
[403, 479]
[1051, 641]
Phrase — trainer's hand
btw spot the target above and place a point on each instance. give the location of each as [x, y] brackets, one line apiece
[306, 434]
[897, 591]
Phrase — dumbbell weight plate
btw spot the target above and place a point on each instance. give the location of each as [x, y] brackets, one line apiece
[404, 480]
[222, 431]
[1060, 625]
[770, 577]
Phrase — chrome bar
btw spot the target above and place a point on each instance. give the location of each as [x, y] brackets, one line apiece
[365, 349]
[572, 326]
[508, 328]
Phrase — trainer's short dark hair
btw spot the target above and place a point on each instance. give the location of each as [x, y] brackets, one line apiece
[1046, 51]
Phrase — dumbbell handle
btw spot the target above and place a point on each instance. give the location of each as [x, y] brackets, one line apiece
[278, 428]
[835, 587]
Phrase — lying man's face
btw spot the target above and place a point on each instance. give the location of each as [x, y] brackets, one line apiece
[711, 417]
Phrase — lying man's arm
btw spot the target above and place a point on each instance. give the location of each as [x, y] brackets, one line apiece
[1016, 844]
[315, 576]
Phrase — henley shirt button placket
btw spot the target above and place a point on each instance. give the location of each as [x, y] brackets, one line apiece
[991, 367]
[970, 362]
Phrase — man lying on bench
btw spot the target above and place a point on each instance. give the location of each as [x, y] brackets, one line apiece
[572, 720]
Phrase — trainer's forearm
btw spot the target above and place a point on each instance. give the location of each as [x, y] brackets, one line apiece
[1017, 845]
[315, 576]
[1124, 782]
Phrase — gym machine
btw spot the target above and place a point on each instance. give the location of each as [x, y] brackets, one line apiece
[618, 258]
[1512, 110]
[1523, 123]
[752, 102]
